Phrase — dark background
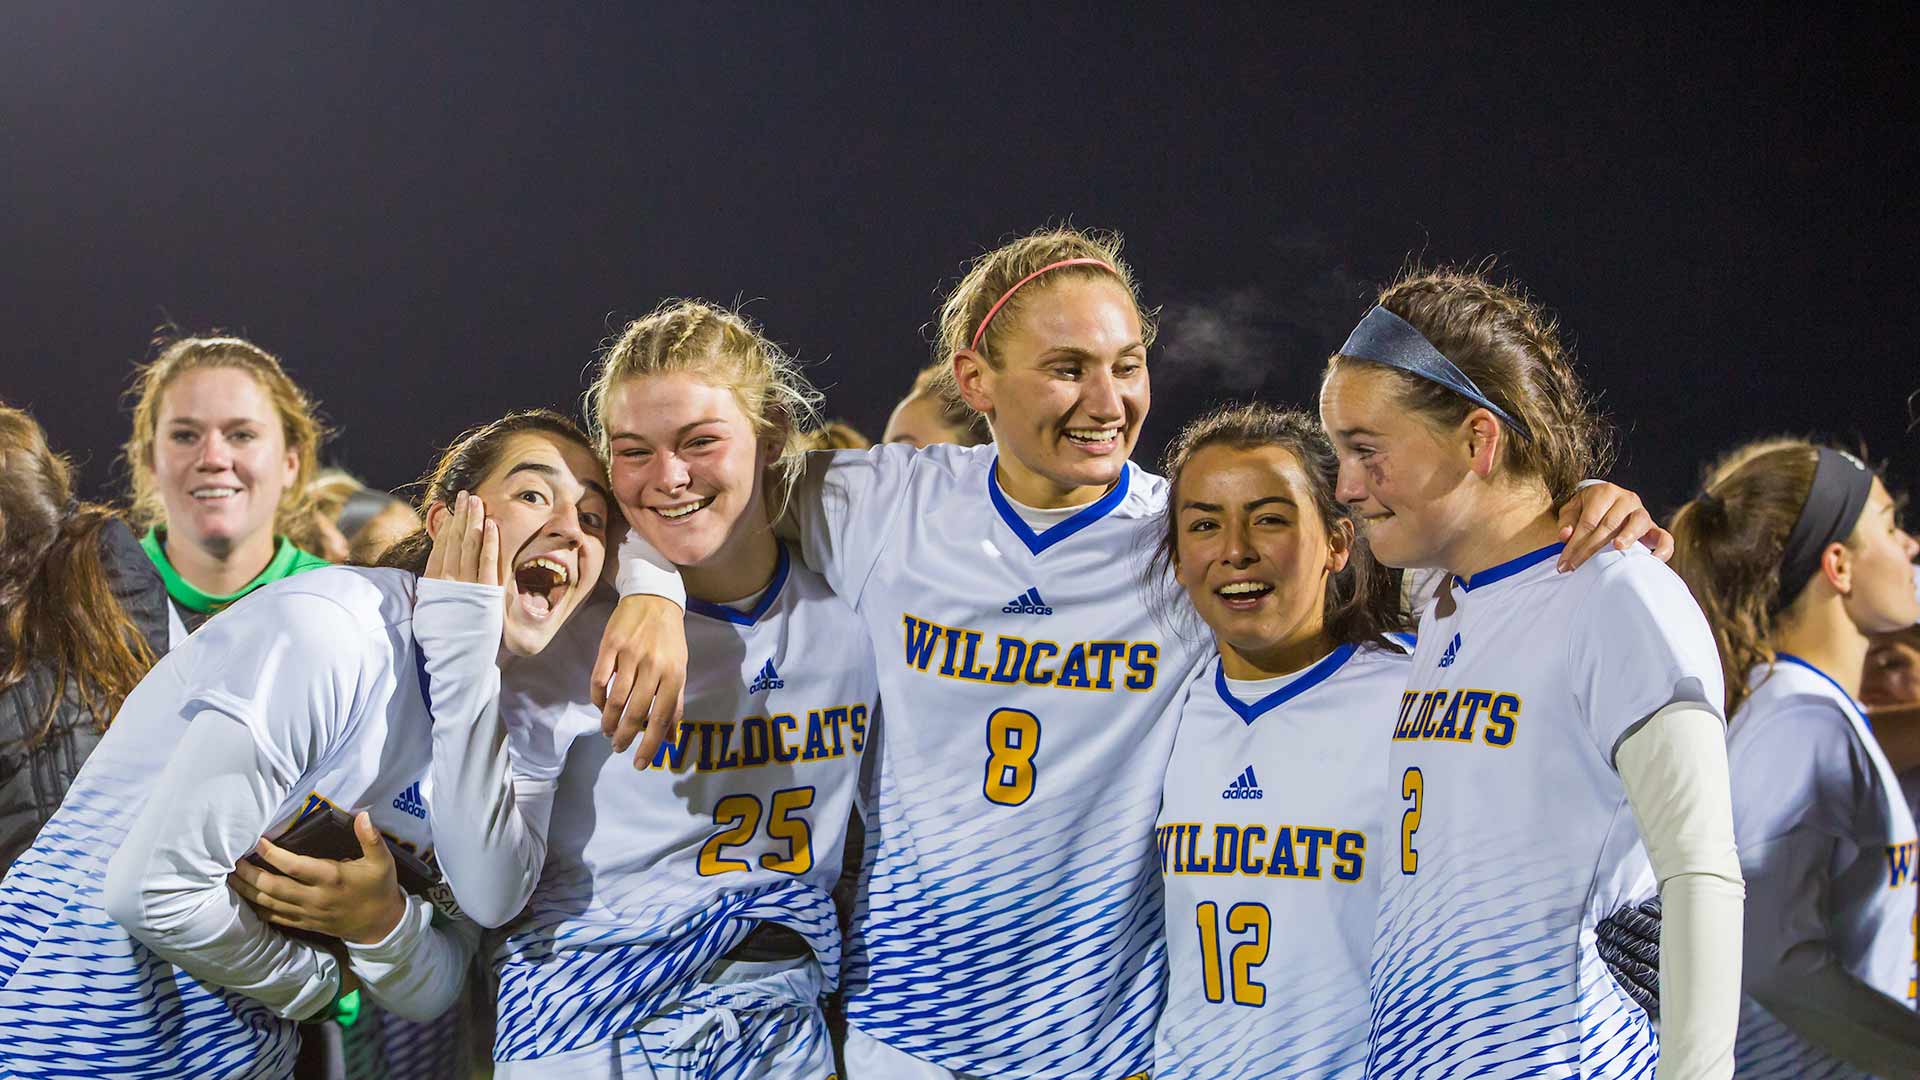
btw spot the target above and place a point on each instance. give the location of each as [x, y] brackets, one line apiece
[434, 215]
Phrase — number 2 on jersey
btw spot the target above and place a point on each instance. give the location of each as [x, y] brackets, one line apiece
[1413, 788]
[1013, 736]
[741, 816]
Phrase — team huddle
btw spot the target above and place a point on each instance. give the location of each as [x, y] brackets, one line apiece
[670, 744]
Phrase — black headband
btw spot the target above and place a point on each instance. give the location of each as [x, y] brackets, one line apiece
[1841, 484]
[1386, 338]
[362, 506]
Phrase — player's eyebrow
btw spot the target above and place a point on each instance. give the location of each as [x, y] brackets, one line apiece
[1075, 352]
[552, 473]
[1272, 499]
[1214, 508]
[1348, 433]
[682, 430]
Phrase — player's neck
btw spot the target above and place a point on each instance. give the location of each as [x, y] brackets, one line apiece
[1297, 653]
[224, 571]
[1823, 635]
[744, 565]
[1030, 489]
[1504, 531]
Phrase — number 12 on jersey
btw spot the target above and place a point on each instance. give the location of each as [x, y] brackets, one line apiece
[1013, 737]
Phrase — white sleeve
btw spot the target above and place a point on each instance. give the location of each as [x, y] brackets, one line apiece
[167, 883]
[841, 507]
[267, 689]
[1674, 768]
[642, 571]
[418, 969]
[489, 815]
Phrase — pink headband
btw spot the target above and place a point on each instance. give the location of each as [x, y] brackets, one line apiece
[1008, 295]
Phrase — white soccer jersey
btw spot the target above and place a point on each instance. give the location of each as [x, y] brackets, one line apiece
[1512, 835]
[321, 671]
[1011, 921]
[1805, 764]
[1273, 839]
[651, 876]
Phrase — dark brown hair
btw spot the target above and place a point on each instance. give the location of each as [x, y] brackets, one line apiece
[1510, 347]
[56, 605]
[1728, 542]
[1363, 599]
[464, 465]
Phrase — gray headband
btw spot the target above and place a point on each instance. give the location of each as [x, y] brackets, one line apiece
[1385, 338]
[1841, 484]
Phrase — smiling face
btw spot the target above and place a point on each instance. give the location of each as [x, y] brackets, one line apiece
[1882, 597]
[220, 460]
[546, 496]
[1408, 483]
[1069, 392]
[688, 471]
[1253, 553]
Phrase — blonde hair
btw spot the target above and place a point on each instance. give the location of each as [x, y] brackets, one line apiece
[935, 381]
[990, 276]
[299, 426]
[726, 349]
[837, 435]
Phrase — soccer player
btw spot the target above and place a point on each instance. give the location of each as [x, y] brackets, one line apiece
[1273, 834]
[1797, 556]
[131, 946]
[682, 923]
[222, 449]
[1011, 923]
[1559, 746]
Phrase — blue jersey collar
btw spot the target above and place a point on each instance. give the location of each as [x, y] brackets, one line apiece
[1509, 568]
[697, 606]
[1039, 542]
[1858, 709]
[1309, 679]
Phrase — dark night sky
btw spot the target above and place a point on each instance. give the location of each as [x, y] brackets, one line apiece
[434, 216]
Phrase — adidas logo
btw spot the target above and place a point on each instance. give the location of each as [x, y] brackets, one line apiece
[768, 679]
[410, 801]
[1453, 650]
[1244, 786]
[1027, 603]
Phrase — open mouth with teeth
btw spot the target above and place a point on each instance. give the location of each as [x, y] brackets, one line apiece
[1094, 438]
[213, 493]
[684, 510]
[540, 583]
[1243, 594]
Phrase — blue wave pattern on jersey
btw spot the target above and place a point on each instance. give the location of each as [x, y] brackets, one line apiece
[1072, 975]
[1767, 1049]
[1477, 973]
[80, 998]
[1320, 1038]
[570, 978]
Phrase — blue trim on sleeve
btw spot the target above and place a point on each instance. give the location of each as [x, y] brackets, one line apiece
[697, 606]
[1509, 568]
[1313, 677]
[1042, 541]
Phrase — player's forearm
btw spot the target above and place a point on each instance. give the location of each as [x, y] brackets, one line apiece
[418, 969]
[167, 886]
[1675, 772]
[1792, 971]
[489, 825]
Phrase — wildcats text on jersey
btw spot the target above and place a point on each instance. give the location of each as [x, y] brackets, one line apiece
[1452, 716]
[1295, 852]
[767, 740]
[955, 652]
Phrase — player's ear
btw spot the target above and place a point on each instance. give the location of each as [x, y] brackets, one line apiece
[437, 514]
[1483, 437]
[1836, 565]
[1339, 546]
[971, 372]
